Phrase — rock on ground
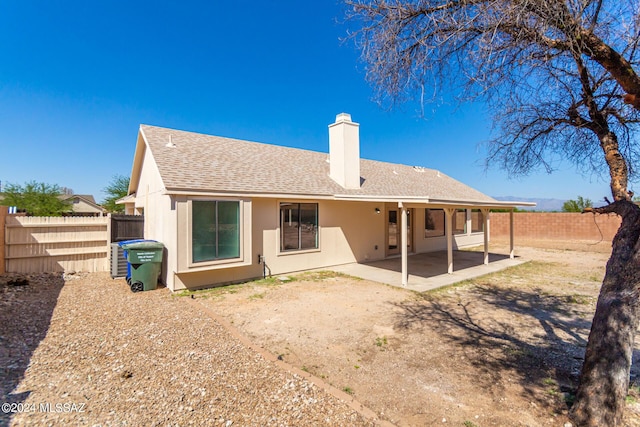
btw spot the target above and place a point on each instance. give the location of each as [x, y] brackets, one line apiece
[83, 349]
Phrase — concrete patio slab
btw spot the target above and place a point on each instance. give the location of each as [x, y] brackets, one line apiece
[429, 270]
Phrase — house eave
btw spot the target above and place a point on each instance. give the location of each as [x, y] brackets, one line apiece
[425, 200]
[489, 204]
[131, 198]
[439, 202]
[237, 194]
[382, 198]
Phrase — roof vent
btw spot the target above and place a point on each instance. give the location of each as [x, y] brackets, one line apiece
[170, 144]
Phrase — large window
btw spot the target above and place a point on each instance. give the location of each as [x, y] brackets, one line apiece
[215, 232]
[298, 226]
[459, 225]
[477, 221]
[433, 222]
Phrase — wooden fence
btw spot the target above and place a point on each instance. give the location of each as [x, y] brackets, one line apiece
[51, 244]
[126, 227]
[3, 215]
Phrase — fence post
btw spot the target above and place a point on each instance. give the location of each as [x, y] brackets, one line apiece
[3, 215]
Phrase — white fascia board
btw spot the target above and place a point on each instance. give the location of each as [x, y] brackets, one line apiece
[390, 199]
[353, 198]
[198, 193]
[483, 203]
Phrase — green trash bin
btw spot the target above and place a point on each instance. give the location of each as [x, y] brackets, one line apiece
[145, 261]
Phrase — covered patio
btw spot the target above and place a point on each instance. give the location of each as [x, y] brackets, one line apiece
[422, 269]
[430, 270]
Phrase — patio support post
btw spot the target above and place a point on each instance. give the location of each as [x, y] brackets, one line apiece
[485, 228]
[449, 233]
[511, 234]
[403, 244]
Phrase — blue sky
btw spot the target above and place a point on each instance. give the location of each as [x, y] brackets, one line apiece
[77, 78]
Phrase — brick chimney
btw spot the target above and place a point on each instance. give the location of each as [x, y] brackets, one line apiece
[344, 152]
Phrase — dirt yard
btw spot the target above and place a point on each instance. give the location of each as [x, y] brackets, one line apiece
[502, 350]
[83, 350]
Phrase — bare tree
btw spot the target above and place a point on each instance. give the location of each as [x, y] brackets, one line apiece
[560, 78]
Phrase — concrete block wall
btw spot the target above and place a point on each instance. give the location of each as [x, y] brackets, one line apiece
[555, 225]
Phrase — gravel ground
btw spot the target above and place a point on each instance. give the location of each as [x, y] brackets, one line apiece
[84, 350]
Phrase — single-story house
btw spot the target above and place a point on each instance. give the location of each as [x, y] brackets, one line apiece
[83, 205]
[227, 210]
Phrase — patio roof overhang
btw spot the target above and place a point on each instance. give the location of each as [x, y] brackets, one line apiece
[407, 200]
[426, 200]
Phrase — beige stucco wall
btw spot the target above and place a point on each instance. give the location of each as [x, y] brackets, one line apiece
[184, 275]
[431, 244]
[348, 232]
[159, 212]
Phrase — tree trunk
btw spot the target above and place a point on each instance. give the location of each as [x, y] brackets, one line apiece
[604, 381]
[618, 170]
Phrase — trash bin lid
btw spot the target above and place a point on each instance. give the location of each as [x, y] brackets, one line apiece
[124, 243]
[143, 245]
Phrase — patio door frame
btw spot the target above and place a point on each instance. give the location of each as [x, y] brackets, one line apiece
[393, 231]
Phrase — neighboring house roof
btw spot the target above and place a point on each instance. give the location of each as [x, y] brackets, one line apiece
[82, 203]
[197, 163]
[85, 197]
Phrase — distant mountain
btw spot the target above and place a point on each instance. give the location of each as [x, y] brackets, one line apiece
[548, 205]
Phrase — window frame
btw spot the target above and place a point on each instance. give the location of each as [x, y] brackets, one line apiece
[481, 221]
[281, 236]
[444, 223]
[241, 235]
[454, 222]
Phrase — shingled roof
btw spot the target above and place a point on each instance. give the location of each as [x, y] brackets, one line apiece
[198, 163]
